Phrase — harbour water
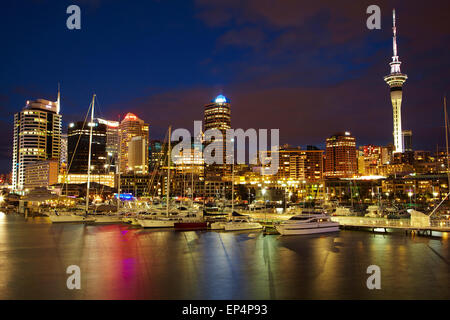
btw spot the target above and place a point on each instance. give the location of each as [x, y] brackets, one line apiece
[123, 262]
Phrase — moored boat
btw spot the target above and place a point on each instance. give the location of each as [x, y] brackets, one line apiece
[107, 218]
[60, 218]
[242, 224]
[307, 224]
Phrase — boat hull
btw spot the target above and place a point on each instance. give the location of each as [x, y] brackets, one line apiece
[287, 230]
[154, 223]
[63, 219]
[242, 226]
[191, 225]
[106, 219]
[217, 225]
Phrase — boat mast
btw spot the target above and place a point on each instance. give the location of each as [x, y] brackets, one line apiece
[168, 172]
[91, 124]
[118, 168]
[192, 177]
[448, 162]
[446, 143]
[232, 187]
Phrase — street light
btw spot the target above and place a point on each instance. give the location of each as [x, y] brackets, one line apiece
[263, 191]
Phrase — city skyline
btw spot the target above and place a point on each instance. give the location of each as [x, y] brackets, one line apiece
[292, 100]
[217, 157]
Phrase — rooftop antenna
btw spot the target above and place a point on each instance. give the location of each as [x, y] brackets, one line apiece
[58, 101]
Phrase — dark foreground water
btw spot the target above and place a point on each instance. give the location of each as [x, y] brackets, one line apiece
[123, 262]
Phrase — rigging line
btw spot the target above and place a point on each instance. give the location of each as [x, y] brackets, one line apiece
[76, 146]
[98, 108]
[157, 171]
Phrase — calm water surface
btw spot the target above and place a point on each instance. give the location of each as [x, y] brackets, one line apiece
[124, 262]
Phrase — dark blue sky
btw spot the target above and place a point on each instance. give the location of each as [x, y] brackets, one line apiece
[310, 69]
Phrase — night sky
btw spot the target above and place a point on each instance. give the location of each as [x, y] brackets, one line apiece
[309, 68]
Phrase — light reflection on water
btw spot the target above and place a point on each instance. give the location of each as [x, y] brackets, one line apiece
[125, 262]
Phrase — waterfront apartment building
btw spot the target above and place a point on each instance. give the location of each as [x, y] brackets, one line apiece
[298, 164]
[37, 137]
[78, 137]
[340, 156]
[41, 174]
[131, 126]
[217, 115]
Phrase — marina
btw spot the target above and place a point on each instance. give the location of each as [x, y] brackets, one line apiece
[120, 261]
[225, 151]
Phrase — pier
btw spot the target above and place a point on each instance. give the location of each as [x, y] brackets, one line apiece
[269, 219]
[375, 224]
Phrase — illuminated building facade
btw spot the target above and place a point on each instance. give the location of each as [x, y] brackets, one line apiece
[130, 127]
[37, 137]
[407, 140]
[78, 148]
[157, 154]
[112, 142]
[340, 156]
[372, 160]
[107, 179]
[41, 174]
[395, 80]
[137, 151]
[298, 164]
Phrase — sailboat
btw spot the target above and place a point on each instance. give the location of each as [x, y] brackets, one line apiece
[158, 220]
[98, 218]
[239, 221]
[67, 216]
[419, 218]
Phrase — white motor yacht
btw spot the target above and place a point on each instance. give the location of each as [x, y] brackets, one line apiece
[307, 224]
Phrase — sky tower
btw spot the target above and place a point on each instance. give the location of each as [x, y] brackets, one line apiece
[395, 80]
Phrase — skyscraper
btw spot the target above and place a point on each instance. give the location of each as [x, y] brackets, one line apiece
[112, 142]
[340, 156]
[137, 151]
[78, 147]
[217, 115]
[407, 140]
[37, 137]
[130, 127]
[395, 80]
